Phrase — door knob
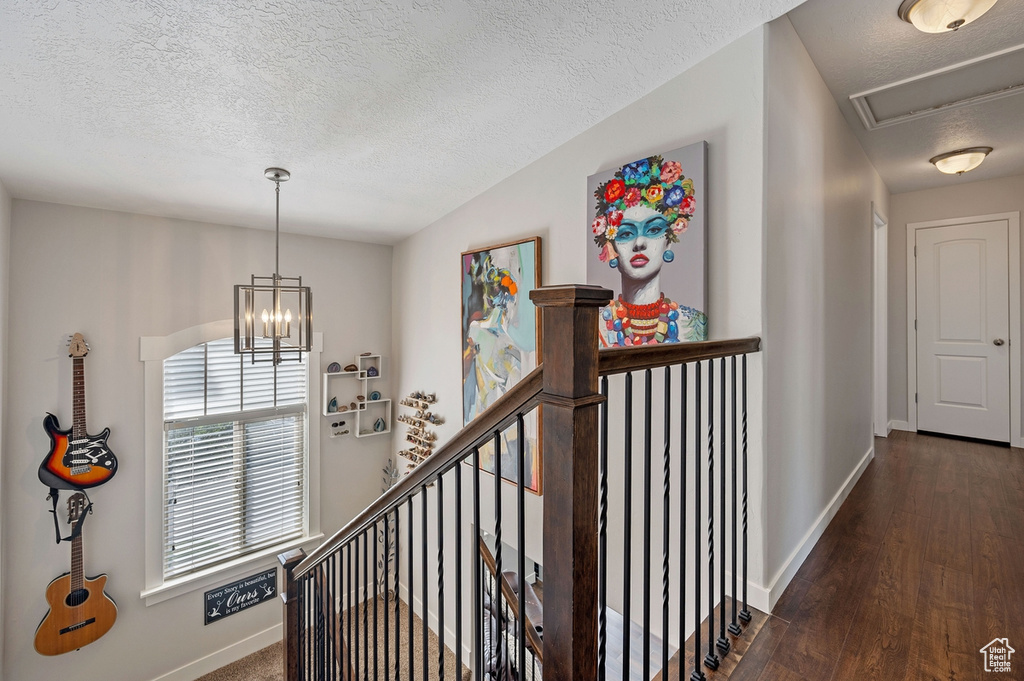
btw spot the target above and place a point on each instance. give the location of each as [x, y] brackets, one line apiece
[998, 341]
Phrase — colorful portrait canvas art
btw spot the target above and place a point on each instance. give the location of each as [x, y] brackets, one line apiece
[648, 233]
[500, 345]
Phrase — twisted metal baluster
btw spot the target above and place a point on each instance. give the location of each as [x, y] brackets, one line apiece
[711, 659]
[602, 540]
[734, 627]
[723, 641]
[666, 492]
[745, 613]
[440, 576]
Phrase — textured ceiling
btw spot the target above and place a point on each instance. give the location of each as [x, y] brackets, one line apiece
[862, 45]
[388, 114]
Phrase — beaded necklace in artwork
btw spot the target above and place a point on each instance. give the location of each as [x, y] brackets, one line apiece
[642, 324]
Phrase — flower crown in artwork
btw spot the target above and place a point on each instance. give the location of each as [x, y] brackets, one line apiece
[652, 182]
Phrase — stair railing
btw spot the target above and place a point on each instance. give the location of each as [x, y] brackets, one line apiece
[351, 613]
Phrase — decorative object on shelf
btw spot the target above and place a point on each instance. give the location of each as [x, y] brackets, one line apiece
[369, 417]
[372, 372]
[338, 429]
[332, 406]
[650, 229]
[277, 296]
[940, 16]
[75, 600]
[421, 439]
[333, 368]
[501, 342]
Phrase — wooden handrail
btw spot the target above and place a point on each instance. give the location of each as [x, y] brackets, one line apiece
[512, 598]
[620, 360]
[520, 398]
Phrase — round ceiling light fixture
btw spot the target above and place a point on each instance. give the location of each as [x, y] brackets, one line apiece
[960, 161]
[940, 16]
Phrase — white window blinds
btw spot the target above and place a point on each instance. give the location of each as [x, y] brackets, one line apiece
[234, 456]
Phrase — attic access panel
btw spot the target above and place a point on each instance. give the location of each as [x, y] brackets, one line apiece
[984, 79]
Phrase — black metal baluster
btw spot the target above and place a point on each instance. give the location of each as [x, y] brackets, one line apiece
[386, 551]
[734, 627]
[458, 571]
[478, 586]
[398, 595]
[521, 539]
[745, 613]
[602, 541]
[666, 519]
[411, 594]
[683, 371]
[496, 597]
[711, 659]
[697, 674]
[440, 577]
[646, 664]
[723, 640]
[332, 657]
[627, 538]
[376, 583]
[424, 591]
[349, 656]
[366, 606]
[303, 626]
[354, 610]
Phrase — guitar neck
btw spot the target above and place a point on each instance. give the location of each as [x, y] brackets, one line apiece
[78, 398]
[77, 581]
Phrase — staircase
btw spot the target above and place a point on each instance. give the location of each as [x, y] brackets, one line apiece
[643, 521]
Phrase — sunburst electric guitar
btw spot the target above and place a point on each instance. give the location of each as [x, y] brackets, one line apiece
[80, 611]
[76, 460]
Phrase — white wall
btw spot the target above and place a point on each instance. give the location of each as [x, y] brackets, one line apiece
[819, 186]
[718, 100]
[5, 244]
[116, 277]
[956, 198]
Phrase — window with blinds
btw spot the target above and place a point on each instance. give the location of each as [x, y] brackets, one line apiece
[234, 456]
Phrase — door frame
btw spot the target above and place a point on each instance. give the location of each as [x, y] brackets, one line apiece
[880, 246]
[1014, 254]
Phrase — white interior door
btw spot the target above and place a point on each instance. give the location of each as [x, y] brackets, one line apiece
[963, 353]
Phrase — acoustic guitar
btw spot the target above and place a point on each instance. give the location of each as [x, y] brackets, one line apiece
[80, 611]
[76, 459]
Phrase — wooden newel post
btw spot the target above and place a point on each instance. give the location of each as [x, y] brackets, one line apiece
[571, 400]
[290, 596]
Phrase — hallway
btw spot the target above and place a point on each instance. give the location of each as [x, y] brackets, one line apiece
[922, 566]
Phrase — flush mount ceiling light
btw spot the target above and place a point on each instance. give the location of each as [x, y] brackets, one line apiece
[283, 300]
[939, 16]
[960, 161]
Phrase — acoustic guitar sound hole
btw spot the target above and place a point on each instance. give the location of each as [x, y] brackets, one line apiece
[76, 598]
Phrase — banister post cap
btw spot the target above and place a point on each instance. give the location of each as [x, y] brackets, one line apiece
[571, 295]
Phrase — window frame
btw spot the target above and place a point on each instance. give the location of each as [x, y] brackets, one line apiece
[153, 350]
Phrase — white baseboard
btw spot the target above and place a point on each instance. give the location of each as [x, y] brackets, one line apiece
[800, 553]
[234, 652]
[900, 425]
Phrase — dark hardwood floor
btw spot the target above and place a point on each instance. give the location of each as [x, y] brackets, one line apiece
[922, 566]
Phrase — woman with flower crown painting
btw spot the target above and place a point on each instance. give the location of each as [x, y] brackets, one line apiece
[640, 214]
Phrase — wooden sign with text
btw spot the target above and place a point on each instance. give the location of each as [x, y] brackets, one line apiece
[240, 595]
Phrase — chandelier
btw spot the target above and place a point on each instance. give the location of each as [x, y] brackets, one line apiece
[283, 327]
